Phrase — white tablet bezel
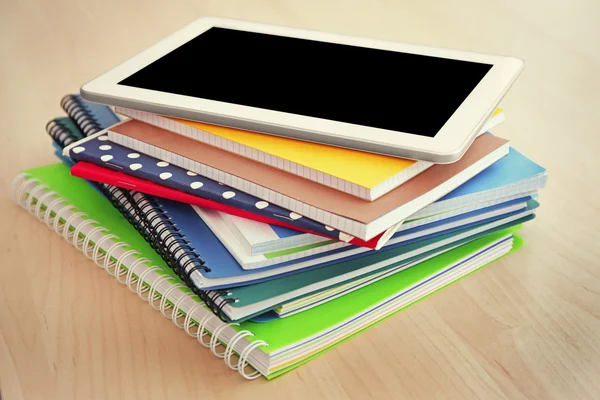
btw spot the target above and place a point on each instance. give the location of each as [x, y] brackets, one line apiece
[448, 145]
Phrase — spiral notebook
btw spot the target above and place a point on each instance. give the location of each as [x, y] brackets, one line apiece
[63, 131]
[156, 174]
[83, 119]
[219, 227]
[89, 117]
[90, 222]
[191, 249]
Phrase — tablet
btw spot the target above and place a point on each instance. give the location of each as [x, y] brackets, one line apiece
[398, 99]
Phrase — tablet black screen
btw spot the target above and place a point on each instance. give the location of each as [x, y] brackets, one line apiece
[377, 88]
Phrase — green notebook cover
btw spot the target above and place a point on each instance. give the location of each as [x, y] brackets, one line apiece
[278, 333]
[283, 332]
[517, 244]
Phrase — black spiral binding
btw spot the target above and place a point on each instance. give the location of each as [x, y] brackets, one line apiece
[153, 228]
[79, 113]
[60, 133]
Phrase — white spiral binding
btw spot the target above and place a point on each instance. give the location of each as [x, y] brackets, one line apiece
[214, 339]
[129, 276]
[68, 224]
[108, 261]
[202, 331]
[98, 256]
[164, 304]
[58, 218]
[243, 361]
[76, 239]
[189, 322]
[30, 194]
[177, 313]
[119, 270]
[48, 218]
[229, 349]
[140, 288]
[88, 250]
[153, 295]
[40, 202]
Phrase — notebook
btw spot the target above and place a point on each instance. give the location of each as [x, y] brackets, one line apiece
[365, 175]
[112, 156]
[99, 174]
[307, 302]
[306, 198]
[63, 131]
[92, 224]
[221, 270]
[256, 238]
[89, 117]
[220, 267]
[249, 301]
[216, 221]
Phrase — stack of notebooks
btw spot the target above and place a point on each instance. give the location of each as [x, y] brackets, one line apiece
[271, 251]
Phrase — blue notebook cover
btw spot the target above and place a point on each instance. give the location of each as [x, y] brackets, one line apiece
[222, 264]
[68, 161]
[284, 232]
[513, 168]
[442, 222]
[474, 213]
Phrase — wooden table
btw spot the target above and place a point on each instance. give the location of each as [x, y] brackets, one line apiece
[528, 327]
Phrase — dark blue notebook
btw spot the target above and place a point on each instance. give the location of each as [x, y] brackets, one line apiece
[219, 269]
[100, 151]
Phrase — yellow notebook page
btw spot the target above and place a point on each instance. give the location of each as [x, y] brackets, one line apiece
[361, 168]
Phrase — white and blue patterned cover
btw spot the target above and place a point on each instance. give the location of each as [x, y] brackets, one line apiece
[100, 151]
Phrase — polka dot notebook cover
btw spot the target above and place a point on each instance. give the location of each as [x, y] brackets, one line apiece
[157, 177]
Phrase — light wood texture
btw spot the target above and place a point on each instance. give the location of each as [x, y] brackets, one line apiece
[526, 328]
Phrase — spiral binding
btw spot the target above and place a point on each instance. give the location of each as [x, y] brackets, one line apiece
[60, 133]
[79, 113]
[155, 225]
[30, 194]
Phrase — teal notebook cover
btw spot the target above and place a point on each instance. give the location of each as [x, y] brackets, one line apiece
[259, 292]
[63, 131]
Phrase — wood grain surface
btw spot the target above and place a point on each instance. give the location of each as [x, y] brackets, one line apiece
[526, 328]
